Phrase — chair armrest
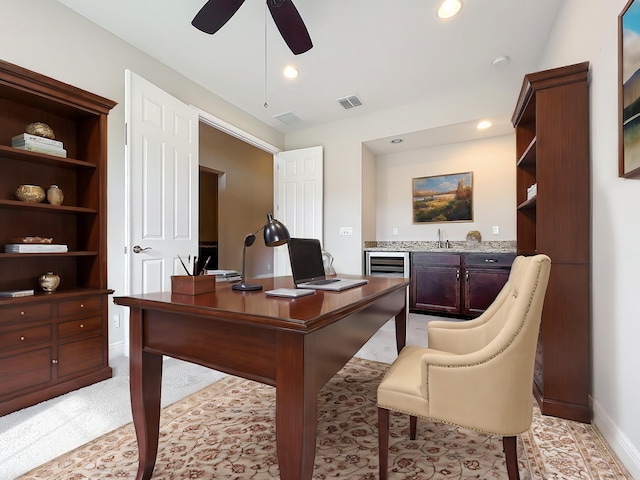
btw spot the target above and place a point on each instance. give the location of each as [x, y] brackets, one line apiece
[490, 393]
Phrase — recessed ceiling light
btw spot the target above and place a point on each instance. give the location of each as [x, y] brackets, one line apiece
[484, 124]
[397, 140]
[290, 71]
[449, 8]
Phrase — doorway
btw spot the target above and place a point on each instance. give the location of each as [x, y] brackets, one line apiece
[208, 219]
[240, 176]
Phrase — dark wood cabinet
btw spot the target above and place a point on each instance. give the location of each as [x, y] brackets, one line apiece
[52, 343]
[461, 284]
[552, 142]
[435, 282]
[485, 275]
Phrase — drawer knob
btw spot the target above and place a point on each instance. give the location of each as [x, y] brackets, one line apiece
[22, 339]
[82, 305]
[54, 361]
[82, 325]
[22, 313]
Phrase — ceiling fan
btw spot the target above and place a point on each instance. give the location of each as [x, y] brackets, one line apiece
[215, 13]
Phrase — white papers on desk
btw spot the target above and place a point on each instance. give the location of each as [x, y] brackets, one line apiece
[289, 292]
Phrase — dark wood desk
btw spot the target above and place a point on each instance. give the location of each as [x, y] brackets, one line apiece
[296, 345]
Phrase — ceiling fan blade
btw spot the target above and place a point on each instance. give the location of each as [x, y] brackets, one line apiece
[214, 14]
[292, 28]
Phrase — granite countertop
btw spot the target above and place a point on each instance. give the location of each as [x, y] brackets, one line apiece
[429, 246]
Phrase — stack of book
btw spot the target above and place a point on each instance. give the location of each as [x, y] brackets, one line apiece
[34, 143]
[225, 275]
[35, 248]
[16, 293]
[532, 191]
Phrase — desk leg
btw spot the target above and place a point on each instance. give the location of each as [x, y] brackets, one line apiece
[401, 328]
[145, 372]
[296, 409]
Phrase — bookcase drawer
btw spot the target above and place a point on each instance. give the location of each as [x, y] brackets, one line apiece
[25, 313]
[80, 327]
[79, 306]
[24, 337]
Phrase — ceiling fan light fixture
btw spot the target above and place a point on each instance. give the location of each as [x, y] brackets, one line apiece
[449, 8]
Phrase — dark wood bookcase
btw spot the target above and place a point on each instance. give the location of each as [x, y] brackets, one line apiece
[52, 343]
[551, 120]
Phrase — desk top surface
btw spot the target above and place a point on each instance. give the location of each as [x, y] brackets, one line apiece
[256, 307]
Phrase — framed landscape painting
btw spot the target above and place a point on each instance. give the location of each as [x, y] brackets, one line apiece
[443, 198]
[629, 90]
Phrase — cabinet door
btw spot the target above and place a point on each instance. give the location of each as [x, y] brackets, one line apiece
[436, 289]
[79, 356]
[481, 288]
[25, 371]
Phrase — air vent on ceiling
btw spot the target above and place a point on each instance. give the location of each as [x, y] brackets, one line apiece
[287, 118]
[350, 101]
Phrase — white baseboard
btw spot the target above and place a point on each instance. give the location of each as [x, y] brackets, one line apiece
[617, 440]
[116, 349]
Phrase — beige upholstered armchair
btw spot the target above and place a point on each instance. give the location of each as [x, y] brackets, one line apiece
[476, 374]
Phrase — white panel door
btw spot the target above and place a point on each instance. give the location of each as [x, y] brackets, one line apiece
[299, 203]
[162, 163]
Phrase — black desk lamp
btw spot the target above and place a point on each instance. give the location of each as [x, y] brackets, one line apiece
[275, 233]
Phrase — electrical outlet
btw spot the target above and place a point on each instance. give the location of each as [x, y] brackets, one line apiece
[346, 231]
[116, 320]
[496, 230]
[395, 230]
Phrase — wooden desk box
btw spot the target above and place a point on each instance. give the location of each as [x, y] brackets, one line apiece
[193, 284]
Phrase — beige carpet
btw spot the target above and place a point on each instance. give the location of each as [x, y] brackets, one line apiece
[227, 431]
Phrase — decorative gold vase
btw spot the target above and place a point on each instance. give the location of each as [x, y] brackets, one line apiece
[55, 195]
[49, 282]
[30, 193]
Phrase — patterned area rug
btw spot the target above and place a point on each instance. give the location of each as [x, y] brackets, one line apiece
[227, 430]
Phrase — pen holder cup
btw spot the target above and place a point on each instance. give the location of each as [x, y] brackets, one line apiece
[193, 285]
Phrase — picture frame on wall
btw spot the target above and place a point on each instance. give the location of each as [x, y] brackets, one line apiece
[443, 198]
[629, 90]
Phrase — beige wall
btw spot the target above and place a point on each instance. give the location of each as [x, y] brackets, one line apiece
[369, 194]
[245, 196]
[492, 162]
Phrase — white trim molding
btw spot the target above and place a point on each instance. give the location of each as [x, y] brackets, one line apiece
[617, 440]
[234, 131]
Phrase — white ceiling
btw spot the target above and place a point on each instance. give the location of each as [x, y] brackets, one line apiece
[390, 53]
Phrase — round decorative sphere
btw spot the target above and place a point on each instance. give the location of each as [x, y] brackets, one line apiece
[49, 281]
[30, 193]
[41, 130]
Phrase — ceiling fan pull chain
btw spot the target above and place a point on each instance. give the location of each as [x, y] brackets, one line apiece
[266, 105]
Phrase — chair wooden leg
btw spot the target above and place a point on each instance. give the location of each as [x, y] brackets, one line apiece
[510, 445]
[383, 442]
[413, 421]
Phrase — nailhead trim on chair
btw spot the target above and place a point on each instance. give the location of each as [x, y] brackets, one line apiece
[450, 423]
